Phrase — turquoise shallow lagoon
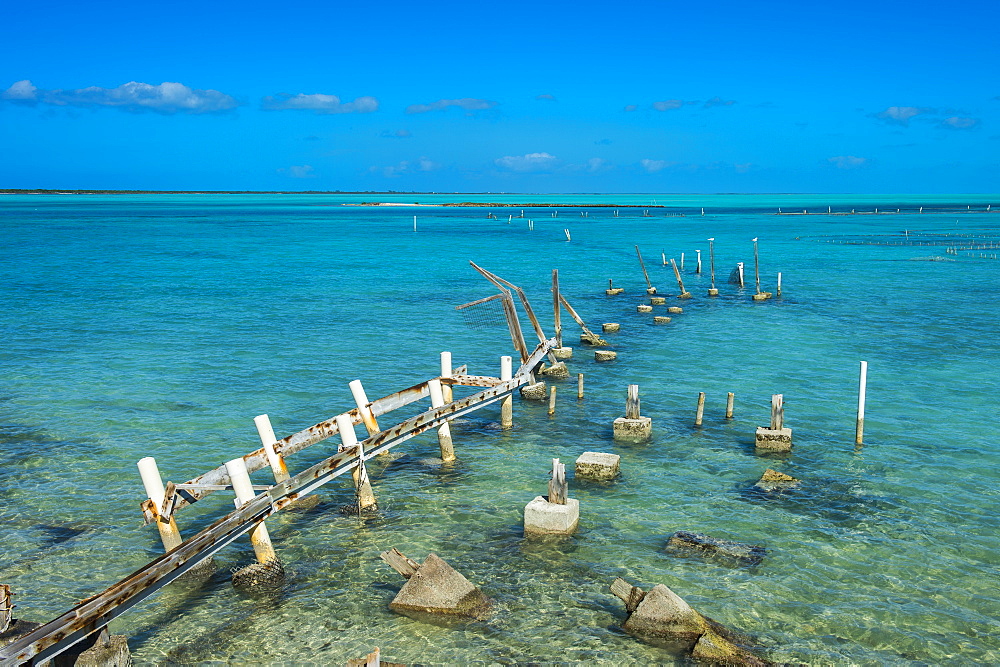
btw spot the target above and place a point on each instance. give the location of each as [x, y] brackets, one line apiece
[161, 325]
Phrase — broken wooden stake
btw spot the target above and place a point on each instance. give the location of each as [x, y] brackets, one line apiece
[558, 486]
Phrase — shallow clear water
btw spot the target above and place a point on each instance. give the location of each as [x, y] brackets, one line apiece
[161, 325]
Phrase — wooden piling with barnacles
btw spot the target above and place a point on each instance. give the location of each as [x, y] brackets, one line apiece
[700, 413]
[730, 399]
[859, 430]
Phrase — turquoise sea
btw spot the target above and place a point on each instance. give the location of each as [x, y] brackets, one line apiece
[162, 324]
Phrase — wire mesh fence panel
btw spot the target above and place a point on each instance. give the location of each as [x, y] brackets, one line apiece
[484, 314]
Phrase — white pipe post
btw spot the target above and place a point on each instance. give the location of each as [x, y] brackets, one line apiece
[779, 283]
[507, 404]
[361, 400]
[444, 431]
[698, 270]
[348, 440]
[153, 484]
[259, 537]
[446, 372]
[414, 223]
[859, 431]
[267, 439]
[682, 261]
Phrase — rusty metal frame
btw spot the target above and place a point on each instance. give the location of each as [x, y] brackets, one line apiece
[94, 613]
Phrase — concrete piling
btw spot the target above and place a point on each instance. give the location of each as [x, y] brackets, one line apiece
[557, 514]
[633, 427]
[775, 438]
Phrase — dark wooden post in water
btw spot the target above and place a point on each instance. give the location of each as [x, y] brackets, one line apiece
[701, 409]
[730, 397]
[649, 286]
[712, 291]
[558, 486]
[680, 283]
[777, 412]
[632, 402]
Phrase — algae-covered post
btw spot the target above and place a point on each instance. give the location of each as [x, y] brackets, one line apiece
[267, 439]
[859, 431]
[444, 431]
[579, 385]
[259, 537]
[730, 398]
[700, 413]
[153, 484]
[507, 403]
[756, 265]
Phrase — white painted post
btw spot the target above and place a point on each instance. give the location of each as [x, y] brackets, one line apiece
[568, 237]
[507, 404]
[362, 485]
[259, 537]
[267, 439]
[446, 371]
[153, 484]
[552, 400]
[444, 431]
[779, 283]
[698, 270]
[361, 399]
[859, 432]
[682, 261]
[414, 223]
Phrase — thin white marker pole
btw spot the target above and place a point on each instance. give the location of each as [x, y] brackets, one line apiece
[414, 223]
[446, 371]
[259, 537]
[153, 483]
[267, 439]
[568, 237]
[698, 270]
[859, 433]
[444, 431]
[507, 404]
[779, 283]
[362, 485]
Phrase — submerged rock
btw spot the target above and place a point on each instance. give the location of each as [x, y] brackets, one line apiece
[684, 543]
[772, 480]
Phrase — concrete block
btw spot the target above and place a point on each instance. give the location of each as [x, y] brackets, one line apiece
[661, 319]
[609, 327]
[633, 430]
[563, 353]
[651, 290]
[592, 340]
[597, 465]
[763, 296]
[114, 653]
[615, 291]
[662, 613]
[643, 308]
[772, 480]
[534, 392]
[605, 355]
[774, 440]
[684, 295]
[675, 309]
[713, 292]
[658, 300]
[437, 588]
[556, 370]
[544, 518]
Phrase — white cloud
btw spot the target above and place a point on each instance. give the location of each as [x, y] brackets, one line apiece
[667, 105]
[398, 134]
[959, 123]
[718, 102]
[596, 164]
[530, 162]
[901, 115]
[742, 167]
[467, 103]
[546, 96]
[631, 107]
[318, 103]
[653, 166]
[408, 167]
[166, 98]
[848, 161]
[301, 171]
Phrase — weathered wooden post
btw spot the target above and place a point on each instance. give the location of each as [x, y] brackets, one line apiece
[649, 286]
[507, 403]
[779, 283]
[561, 352]
[259, 537]
[712, 291]
[362, 485]
[6, 608]
[267, 439]
[759, 295]
[552, 400]
[558, 514]
[730, 398]
[153, 484]
[446, 371]
[700, 413]
[859, 431]
[579, 385]
[444, 431]
[633, 427]
[680, 283]
[776, 438]
[361, 400]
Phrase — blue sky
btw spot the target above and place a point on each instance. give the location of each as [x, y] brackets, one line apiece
[899, 97]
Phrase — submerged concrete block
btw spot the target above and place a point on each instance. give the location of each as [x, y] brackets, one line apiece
[632, 430]
[772, 480]
[651, 290]
[774, 439]
[605, 355]
[563, 353]
[661, 319]
[614, 291]
[684, 295]
[713, 292]
[658, 300]
[544, 518]
[762, 296]
[534, 392]
[437, 588]
[675, 309]
[684, 543]
[114, 653]
[557, 370]
[643, 308]
[597, 465]
[610, 327]
[590, 339]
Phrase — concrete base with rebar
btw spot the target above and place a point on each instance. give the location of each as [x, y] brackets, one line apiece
[774, 439]
[544, 518]
[632, 430]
